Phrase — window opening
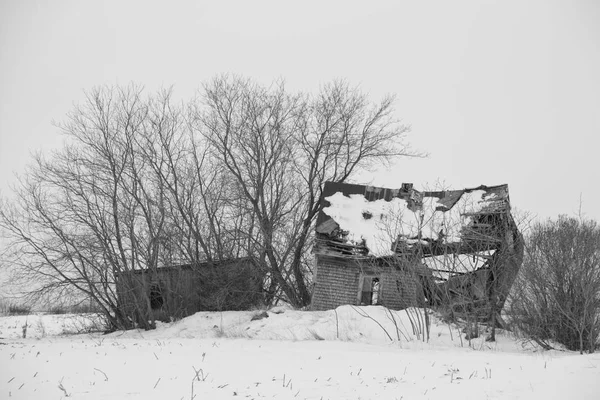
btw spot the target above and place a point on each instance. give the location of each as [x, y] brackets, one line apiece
[156, 297]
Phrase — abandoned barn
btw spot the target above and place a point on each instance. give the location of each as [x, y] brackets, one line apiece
[181, 290]
[402, 247]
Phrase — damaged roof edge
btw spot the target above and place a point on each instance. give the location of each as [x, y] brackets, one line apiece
[373, 193]
[339, 218]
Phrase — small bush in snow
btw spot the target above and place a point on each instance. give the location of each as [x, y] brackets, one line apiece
[19, 309]
[57, 310]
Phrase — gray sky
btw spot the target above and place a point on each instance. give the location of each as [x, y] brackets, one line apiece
[496, 92]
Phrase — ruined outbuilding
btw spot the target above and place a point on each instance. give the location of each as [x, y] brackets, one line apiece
[404, 247]
[177, 291]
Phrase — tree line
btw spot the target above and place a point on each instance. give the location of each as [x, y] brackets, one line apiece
[144, 181]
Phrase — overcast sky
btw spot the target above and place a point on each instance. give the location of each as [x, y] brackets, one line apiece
[496, 92]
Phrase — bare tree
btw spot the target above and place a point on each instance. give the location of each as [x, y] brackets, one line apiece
[144, 182]
[280, 148]
[93, 209]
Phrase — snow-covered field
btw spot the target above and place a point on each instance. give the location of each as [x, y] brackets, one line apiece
[289, 355]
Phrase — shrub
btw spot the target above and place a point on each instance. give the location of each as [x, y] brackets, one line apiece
[556, 297]
[84, 308]
[57, 310]
[18, 309]
[3, 307]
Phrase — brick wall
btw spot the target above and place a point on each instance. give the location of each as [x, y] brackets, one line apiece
[336, 283]
[399, 289]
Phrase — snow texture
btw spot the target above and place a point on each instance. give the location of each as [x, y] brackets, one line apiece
[338, 354]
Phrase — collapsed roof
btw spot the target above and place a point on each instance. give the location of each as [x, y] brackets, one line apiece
[452, 232]
[379, 221]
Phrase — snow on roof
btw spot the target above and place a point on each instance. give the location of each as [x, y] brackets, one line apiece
[368, 220]
[379, 223]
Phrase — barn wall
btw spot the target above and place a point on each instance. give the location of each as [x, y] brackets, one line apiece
[185, 290]
[337, 282]
[179, 289]
[232, 286]
[176, 292]
[131, 292]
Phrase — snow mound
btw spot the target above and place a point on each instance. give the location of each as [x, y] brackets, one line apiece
[365, 324]
[347, 353]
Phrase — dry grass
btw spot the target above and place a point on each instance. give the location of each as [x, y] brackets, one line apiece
[314, 335]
